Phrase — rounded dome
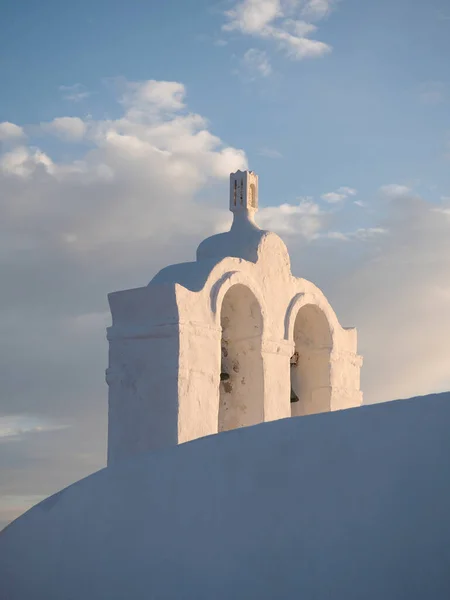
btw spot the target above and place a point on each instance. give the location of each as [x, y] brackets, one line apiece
[247, 241]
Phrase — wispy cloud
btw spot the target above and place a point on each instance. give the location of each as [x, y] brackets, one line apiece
[255, 63]
[339, 195]
[15, 427]
[395, 190]
[75, 93]
[288, 23]
[361, 234]
[269, 152]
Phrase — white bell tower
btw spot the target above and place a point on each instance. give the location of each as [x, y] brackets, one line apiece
[230, 340]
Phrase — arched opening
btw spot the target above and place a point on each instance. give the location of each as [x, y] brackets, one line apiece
[310, 364]
[241, 400]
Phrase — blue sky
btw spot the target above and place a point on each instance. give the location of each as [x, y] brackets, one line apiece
[357, 114]
[119, 125]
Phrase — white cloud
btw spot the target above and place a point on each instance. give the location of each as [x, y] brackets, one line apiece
[333, 197]
[252, 16]
[369, 232]
[68, 128]
[399, 298]
[71, 232]
[304, 219]
[391, 281]
[395, 190]
[10, 131]
[317, 9]
[340, 194]
[256, 63]
[277, 20]
[154, 97]
[23, 161]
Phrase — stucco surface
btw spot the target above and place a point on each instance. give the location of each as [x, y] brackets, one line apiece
[343, 505]
[168, 340]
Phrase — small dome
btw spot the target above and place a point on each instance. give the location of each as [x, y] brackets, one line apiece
[245, 240]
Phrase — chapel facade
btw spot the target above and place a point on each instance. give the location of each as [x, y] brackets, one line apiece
[230, 340]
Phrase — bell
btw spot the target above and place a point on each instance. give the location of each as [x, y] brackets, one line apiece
[294, 397]
[224, 377]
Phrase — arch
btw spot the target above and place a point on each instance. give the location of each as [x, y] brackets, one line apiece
[307, 298]
[310, 367]
[225, 283]
[241, 388]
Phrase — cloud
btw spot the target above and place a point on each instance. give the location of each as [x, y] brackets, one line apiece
[269, 152]
[400, 296]
[255, 63]
[150, 98]
[395, 190]
[68, 128]
[10, 131]
[74, 93]
[252, 16]
[308, 222]
[280, 21]
[305, 218]
[391, 281]
[140, 194]
[341, 194]
[23, 161]
[317, 9]
[14, 427]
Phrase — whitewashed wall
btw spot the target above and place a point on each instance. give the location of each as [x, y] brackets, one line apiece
[345, 505]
